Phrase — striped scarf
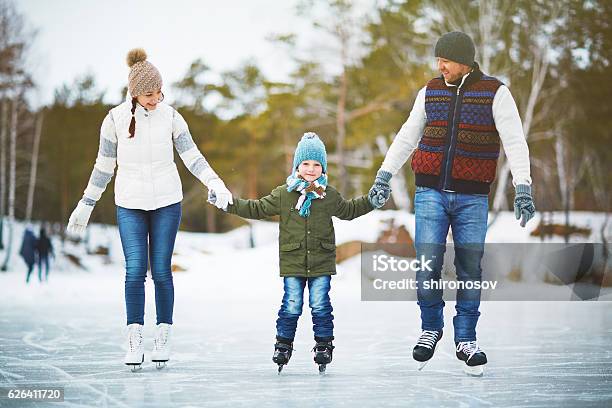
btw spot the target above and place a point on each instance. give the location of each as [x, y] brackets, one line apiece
[309, 191]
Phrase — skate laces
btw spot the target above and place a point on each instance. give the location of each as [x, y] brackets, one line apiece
[428, 339]
[134, 338]
[469, 348]
[163, 333]
[323, 347]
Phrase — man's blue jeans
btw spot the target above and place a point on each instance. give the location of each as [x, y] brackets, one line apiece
[148, 235]
[466, 215]
[320, 304]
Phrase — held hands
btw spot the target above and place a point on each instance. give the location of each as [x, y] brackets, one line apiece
[524, 208]
[79, 218]
[380, 191]
[218, 194]
[212, 199]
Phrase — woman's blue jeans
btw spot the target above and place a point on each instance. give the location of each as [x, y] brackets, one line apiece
[148, 235]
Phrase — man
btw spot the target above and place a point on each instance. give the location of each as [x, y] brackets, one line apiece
[456, 126]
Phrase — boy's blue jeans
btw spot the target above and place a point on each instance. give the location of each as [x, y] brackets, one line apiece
[466, 215]
[320, 304]
[148, 235]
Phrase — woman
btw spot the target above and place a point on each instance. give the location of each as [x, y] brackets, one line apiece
[138, 137]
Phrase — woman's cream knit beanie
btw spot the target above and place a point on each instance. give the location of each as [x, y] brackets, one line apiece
[143, 76]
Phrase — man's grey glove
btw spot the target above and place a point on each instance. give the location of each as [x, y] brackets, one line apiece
[524, 208]
[380, 191]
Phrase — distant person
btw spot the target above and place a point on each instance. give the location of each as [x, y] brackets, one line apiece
[44, 248]
[138, 137]
[28, 252]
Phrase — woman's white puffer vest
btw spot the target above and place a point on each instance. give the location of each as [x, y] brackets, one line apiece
[147, 177]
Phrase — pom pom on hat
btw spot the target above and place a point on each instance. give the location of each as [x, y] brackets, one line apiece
[136, 55]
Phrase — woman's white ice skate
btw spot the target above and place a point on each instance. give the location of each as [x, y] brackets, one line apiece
[135, 353]
[161, 345]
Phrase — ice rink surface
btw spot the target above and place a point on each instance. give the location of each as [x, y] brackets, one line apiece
[540, 354]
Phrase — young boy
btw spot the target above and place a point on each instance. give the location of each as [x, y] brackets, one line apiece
[307, 244]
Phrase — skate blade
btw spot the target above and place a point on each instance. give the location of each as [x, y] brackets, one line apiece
[134, 367]
[473, 371]
[280, 368]
[322, 368]
[421, 364]
[160, 364]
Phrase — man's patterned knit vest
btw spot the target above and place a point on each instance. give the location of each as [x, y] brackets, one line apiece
[460, 144]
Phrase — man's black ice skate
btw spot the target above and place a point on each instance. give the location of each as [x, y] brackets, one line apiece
[473, 357]
[282, 353]
[426, 347]
[323, 354]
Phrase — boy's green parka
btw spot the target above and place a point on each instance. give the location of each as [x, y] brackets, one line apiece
[307, 245]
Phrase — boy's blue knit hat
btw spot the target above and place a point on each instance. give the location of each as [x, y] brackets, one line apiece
[310, 148]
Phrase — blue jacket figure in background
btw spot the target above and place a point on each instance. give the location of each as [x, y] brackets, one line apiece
[45, 248]
[28, 251]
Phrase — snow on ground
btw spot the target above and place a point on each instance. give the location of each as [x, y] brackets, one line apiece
[70, 333]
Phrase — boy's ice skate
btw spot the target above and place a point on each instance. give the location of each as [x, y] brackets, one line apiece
[473, 357]
[135, 353]
[426, 347]
[282, 354]
[161, 345]
[323, 354]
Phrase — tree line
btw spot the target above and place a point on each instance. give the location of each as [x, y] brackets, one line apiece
[355, 91]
